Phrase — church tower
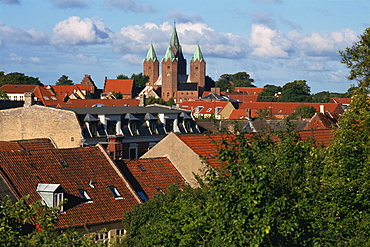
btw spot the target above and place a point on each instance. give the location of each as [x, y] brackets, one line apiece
[151, 66]
[169, 75]
[198, 69]
[177, 51]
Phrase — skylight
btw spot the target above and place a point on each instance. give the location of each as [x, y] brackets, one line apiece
[85, 196]
[142, 168]
[53, 97]
[45, 97]
[115, 192]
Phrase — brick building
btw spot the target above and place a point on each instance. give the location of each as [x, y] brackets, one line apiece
[174, 82]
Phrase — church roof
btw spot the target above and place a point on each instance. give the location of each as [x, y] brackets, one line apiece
[169, 54]
[175, 39]
[151, 56]
[198, 55]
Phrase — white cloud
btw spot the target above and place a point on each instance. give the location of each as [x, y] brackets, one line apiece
[82, 59]
[136, 39]
[132, 59]
[16, 58]
[269, 43]
[181, 17]
[35, 59]
[131, 5]
[326, 45]
[17, 35]
[71, 3]
[76, 31]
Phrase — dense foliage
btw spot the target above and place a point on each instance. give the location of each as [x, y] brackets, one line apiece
[33, 225]
[227, 82]
[18, 78]
[140, 81]
[64, 80]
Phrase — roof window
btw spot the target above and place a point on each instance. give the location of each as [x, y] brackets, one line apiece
[45, 97]
[85, 196]
[142, 168]
[115, 192]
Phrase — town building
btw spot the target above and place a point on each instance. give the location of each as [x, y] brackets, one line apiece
[174, 82]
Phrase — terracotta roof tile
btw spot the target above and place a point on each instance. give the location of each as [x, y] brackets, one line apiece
[42, 143]
[106, 102]
[124, 86]
[154, 173]
[25, 169]
[208, 107]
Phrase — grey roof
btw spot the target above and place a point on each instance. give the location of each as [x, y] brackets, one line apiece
[121, 110]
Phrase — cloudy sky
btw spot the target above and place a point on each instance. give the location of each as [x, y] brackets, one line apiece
[275, 41]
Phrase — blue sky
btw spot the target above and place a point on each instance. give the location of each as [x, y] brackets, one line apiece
[275, 41]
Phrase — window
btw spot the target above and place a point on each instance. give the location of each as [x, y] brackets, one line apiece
[217, 110]
[46, 98]
[20, 97]
[93, 128]
[153, 127]
[186, 123]
[142, 168]
[119, 154]
[85, 196]
[115, 192]
[142, 196]
[198, 109]
[151, 144]
[101, 237]
[209, 109]
[169, 125]
[133, 151]
[132, 127]
[111, 127]
[15, 97]
[58, 201]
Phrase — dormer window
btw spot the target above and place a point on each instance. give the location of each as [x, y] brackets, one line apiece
[52, 195]
[169, 125]
[132, 123]
[152, 123]
[115, 192]
[111, 127]
[85, 196]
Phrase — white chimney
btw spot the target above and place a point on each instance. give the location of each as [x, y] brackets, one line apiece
[322, 109]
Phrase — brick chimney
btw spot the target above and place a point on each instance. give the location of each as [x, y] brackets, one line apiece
[142, 100]
[28, 99]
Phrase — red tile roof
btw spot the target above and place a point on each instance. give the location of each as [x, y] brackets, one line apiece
[208, 107]
[124, 86]
[25, 169]
[206, 146]
[249, 90]
[343, 101]
[47, 97]
[287, 108]
[154, 173]
[242, 97]
[106, 102]
[64, 89]
[41, 143]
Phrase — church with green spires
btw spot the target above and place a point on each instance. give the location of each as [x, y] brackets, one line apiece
[174, 81]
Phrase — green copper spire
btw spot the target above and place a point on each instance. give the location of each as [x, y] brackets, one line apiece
[175, 39]
[198, 55]
[169, 54]
[151, 56]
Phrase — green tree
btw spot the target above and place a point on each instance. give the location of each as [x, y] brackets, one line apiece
[63, 80]
[172, 219]
[171, 102]
[117, 95]
[140, 81]
[227, 82]
[270, 93]
[18, 78]
[302, 111]
[3, 95]
[33, 225]
[296, 91]
[152, 100]
[122, 76]
[357, 59]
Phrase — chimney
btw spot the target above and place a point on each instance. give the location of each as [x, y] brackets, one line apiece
[216, 90]
[322, 109]
[28, 99]
[142, 100]
[249, 113]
